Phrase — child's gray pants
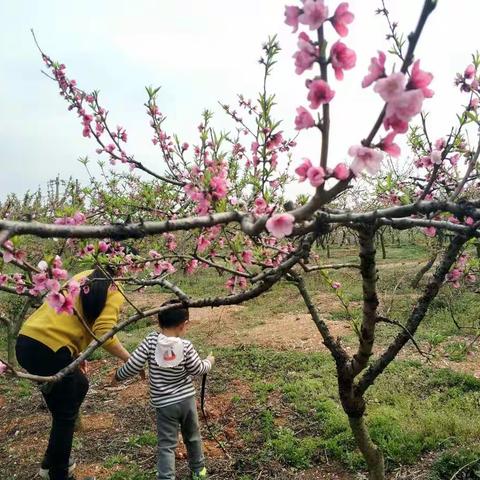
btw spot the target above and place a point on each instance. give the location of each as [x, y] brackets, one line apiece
[169, 418]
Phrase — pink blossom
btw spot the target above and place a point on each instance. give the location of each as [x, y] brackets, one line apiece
[376, 69]
[20, 256]
[3, 368]
[203, 205]
[341, 172]
[202, 243]
[59, 274]
[306, 55]
[230, 284]
[163, 267]
[280, 225]
[469, 72]
[247, 257]
[390, 87]
[191, 266]
[103, 246]
[219, 187]
[454, 275]
[316, 175]
[398, 126]
[469, 221]
[336, 285]
[8, 255]
[454, 159]
[303, 119]
[53, 285]
[420, 80]
[430, 231]
[473, 105]
[40, 281]
[303, 61]
[67, 306]
[110, 148]
[314, 14]
[388, 146]
[274, 141]
[79, 218]
[405, 105]
[365, 158]
[260, 205]
[302, 170]
[291, 17]
[341, 18]
[3, 279]
[319, 93]
[73, 288]
[55, 300]
[343, 58]
[436, 157]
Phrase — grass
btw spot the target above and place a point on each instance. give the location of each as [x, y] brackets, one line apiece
[412, 409]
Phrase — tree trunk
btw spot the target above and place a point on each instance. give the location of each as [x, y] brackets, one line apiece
[371, 453]
[424, 270]
[11, 338]
[382, 244]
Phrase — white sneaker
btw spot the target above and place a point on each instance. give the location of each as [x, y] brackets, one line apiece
[43, 472]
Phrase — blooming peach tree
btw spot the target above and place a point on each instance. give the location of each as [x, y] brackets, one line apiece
[221, 202]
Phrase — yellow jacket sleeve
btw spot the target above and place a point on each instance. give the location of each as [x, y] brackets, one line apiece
[109, 316]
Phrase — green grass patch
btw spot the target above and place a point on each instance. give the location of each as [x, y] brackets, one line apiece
[144, 439]
[412, 409]
[460, 464]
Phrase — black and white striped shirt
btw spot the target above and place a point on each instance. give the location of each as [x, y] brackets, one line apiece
[167, 385]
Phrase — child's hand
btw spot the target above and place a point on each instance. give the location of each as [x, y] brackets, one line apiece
[83, 366]
[211, 359]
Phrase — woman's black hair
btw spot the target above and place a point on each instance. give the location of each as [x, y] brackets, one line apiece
[93, 302]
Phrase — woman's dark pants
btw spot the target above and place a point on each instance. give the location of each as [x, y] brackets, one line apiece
[63, 398]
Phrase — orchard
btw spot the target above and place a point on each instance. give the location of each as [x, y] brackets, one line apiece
[344, 322]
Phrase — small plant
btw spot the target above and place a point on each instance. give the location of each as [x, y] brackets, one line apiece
[461, 464]
[115, 460]
[144, 439]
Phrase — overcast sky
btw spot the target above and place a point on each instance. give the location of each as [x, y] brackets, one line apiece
[199, 52]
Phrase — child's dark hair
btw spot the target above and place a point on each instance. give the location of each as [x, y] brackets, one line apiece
[173, 317]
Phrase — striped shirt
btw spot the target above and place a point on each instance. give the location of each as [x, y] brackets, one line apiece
[167, 385]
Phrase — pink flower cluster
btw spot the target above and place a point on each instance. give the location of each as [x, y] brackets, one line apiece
[78, 218]
[314, 13]
[404, 98]
[80, 101]
[468, 81]
[317, 175]
[461, 271]
[207, 185]
[11, 253]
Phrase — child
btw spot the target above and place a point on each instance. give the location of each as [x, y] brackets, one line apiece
[172, 361]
